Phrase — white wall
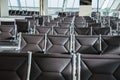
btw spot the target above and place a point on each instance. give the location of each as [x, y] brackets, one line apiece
[85, 10]
[3, 8]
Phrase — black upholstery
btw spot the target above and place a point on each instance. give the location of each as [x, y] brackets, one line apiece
[7, 32]
[61, 31]
[40, 20]
[95, 25]
[110, 45]
[58, 44]
[95, 67]
[87, 44]
[68, 19]
[113, 24]
[49, 24]
[82, 31]
[7, 23]
[61, 14]
[80, 25]
[51, 67]
[13, 66]
[22, 25]
[102, 31]
[64, 25]
[43, 30]
[32, 42]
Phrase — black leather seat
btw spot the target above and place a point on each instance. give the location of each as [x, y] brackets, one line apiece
[80, 24]
[64, 25]
[99, 30]
[87, 44]
[82, 31]
[110, 45]
[58, 44]
[50, 24]
[7, 22]
[51, 67]
[32, 42]
[43, 30]
[61, 31]
[96, 67]
[13, 66]
[22, 25]
[7, 32]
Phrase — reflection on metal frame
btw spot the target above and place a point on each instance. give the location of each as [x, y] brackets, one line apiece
[29, 64]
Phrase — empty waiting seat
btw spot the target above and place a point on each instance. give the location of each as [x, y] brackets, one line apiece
[22, 25]
[7, 32]
[7, 22]
[68, 19]
[83, 31]
[110, 45]
[64, 25]
[61, 31]
[80, 25]
[49, 24]
[43, 30]
[52, 67]
[13, 66]
[95, 67]
[101, 31]
[87, 44]
[58, 44]
[32, 42]
[94, 25]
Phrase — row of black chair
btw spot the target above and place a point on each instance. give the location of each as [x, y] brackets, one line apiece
[76, 31]
[64, 14]
[26, 66]
[22, 13]
[96, 67]
[54, 44]
[9, 31]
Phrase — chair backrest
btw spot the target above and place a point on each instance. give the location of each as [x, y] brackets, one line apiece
[58, 44]
[7, 32]
[82, 31]
[87, 44]
[40, 20]
[7, 22]
[32, 42]
[49, 24]
[51, 67]
[96, 25]
[43, 30]
[100, 31]
[14, 66]
[68, 19]
[80, 24]
[110, 44]
[61, 31]
[95, 67]
[64, 25]
[22, 26]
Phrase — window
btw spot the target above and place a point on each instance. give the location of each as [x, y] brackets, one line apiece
[55, 3]
[73, 4]
[13, 2]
